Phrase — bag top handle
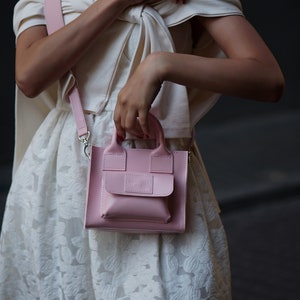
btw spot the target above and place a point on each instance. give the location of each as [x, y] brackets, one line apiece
[156, 129]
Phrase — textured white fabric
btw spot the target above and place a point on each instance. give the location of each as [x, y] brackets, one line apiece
[45, 253]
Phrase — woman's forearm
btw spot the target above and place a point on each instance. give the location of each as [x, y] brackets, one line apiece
[42, 59]
[245, 78]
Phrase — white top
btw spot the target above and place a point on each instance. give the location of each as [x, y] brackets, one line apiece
[106, 67]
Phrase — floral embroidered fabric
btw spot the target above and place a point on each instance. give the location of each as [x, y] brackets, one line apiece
[47, 254]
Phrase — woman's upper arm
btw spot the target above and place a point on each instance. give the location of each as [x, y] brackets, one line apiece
[28, 37]
[25, 56]
[248, 55]
[238, 38]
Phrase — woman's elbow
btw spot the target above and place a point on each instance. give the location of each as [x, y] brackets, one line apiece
[27, 86]
[277, 87]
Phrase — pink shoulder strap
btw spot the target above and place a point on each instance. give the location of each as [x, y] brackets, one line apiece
[53, 15]
[54, 21]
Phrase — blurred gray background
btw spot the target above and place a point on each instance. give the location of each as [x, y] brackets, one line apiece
[251, 151]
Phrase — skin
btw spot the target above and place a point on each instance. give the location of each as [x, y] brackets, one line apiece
[250, 70]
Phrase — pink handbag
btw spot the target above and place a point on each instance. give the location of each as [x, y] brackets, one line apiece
[129, 190]
[137, 190]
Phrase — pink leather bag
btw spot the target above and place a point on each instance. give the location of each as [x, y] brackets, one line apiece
[129, 190]
[137, 190]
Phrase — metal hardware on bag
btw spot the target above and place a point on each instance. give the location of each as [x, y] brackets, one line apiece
[84, 139]
[189, 155]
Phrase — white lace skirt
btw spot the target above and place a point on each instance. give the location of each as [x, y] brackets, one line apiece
[45, 253]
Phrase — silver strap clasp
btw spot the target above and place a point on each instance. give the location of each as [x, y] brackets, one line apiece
[84, 139]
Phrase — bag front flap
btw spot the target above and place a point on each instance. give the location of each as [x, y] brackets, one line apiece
[139, 184]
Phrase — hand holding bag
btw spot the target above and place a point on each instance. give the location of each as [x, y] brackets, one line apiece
[129, 190]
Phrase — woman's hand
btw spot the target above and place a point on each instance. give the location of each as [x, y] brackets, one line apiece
[135, 98]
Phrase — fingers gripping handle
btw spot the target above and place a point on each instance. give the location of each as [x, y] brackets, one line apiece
[161, 159]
